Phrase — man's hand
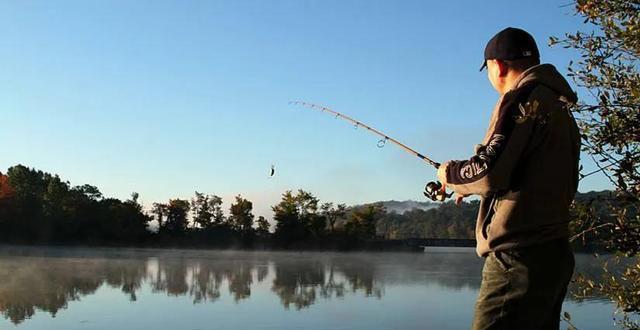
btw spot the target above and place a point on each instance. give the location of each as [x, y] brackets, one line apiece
[459, 198]
[442, 176]
[442, 173]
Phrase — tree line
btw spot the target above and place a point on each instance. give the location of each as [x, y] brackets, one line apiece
[41, 208]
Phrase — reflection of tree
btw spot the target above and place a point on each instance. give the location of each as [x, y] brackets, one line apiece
[202, 279]
[299, 282]
[240, 280]
[332, 286]
[296, 282]
[171, 277]
[205, 284]
[362, 278]
[263, 271]
[48, 289]
[126, 274]
[47, 284]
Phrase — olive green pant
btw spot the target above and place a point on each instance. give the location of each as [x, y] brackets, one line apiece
[524, 288]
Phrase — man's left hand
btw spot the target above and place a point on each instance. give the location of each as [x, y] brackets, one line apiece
[459, 198]
[442, 177]
[442, 173]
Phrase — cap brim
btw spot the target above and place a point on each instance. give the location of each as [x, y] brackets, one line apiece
[484, 65]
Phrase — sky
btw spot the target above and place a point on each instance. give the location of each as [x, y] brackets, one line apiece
[165, 98]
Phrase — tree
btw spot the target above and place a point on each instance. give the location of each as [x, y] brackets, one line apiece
[39, 207]
[263, 226]
[307, 205]
[202, 212]
[29, 221]
[28, 187]
[54, 195]
[289, 222]
[6, 191]
[452, 230]
[92, 192]
[215, 204]
[240, 216]
[7, 204]
[362, 221]
[207, 210]
[316, 225]
[134, 222]
[333, 214]
[297, 217]
[177, 211]
[607, 71]
[160, 211]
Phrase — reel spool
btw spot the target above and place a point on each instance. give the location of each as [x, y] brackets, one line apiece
[435, 192]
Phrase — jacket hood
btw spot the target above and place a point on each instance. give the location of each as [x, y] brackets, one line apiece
[546, 74]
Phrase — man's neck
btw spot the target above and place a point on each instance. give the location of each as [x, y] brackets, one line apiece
[511, 81]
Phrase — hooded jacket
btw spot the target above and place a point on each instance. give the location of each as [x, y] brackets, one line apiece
[526, 169]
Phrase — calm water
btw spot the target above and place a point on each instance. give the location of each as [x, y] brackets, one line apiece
[192, 290]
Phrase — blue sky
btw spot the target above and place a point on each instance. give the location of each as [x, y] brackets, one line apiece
[168, 97]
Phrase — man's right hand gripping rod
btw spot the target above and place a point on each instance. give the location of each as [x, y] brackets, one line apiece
[435, 190]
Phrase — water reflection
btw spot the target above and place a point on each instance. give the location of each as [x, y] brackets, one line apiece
[48, 279]
[298, 283]
[30, 283]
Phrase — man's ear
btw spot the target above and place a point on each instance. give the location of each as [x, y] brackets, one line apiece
[503, 68]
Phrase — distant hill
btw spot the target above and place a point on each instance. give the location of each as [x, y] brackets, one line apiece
[401, 207]
[410, 219]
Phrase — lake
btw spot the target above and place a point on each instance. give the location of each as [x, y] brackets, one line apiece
[110, 288]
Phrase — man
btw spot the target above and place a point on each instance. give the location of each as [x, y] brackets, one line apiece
[526, 172]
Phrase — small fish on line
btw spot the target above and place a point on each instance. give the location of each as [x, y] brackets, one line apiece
[273, 171]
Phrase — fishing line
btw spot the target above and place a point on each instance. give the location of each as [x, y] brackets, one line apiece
[357, 124]
[434, 190]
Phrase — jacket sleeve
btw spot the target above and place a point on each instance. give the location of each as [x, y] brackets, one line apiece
[492, 166]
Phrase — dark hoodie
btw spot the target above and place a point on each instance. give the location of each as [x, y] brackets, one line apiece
[526, 169]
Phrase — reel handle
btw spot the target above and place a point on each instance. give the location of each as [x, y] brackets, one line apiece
[436, 192]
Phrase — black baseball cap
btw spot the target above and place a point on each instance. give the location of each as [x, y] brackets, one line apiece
[510, 44]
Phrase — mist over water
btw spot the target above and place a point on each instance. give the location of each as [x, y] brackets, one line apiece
[73, 288]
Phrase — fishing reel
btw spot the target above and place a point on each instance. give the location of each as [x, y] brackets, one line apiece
[436, 192]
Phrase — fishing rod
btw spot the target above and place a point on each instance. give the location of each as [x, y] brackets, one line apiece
[434, 190]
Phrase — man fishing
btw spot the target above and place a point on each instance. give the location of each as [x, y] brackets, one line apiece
[526, 173]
